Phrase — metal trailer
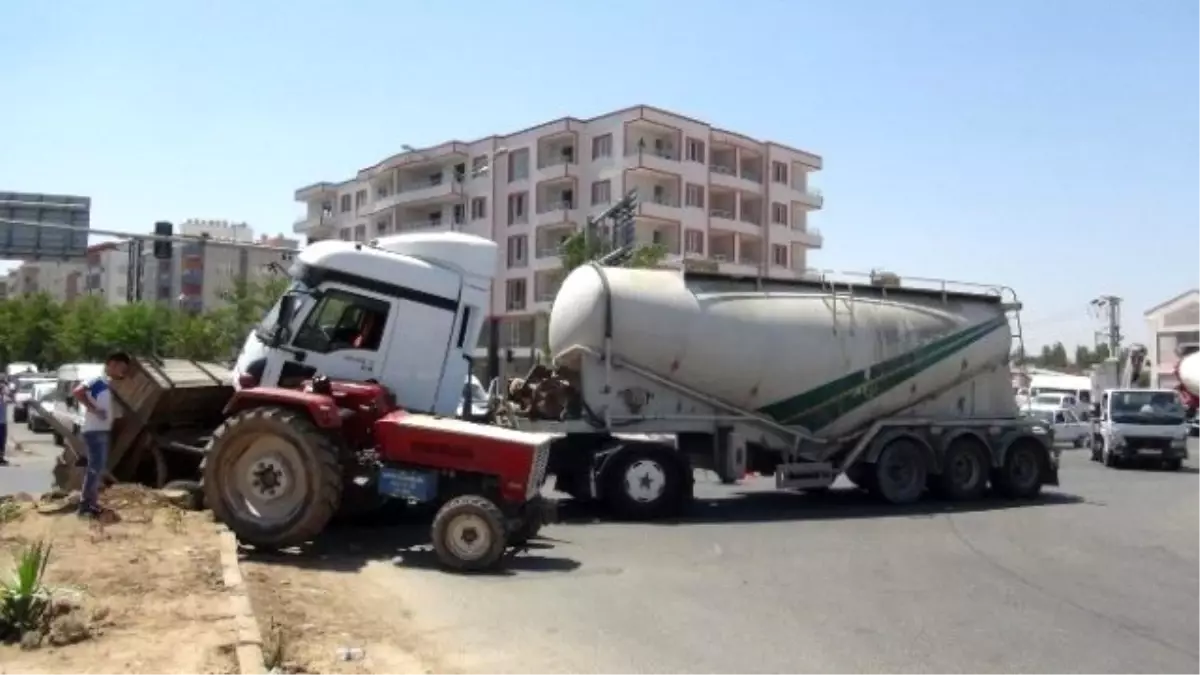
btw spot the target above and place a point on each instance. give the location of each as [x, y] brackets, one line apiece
[897, 387]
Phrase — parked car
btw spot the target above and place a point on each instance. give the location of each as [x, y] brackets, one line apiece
[23, 394]
[45, 395]
[1067, 425]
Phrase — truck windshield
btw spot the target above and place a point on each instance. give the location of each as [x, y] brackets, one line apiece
[1146, 407]
[269, 326]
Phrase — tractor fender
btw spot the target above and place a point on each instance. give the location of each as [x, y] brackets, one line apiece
[324, 413]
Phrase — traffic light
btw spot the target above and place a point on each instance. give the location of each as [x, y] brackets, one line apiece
[162, 247]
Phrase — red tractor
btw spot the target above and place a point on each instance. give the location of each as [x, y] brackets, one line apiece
[285, 461]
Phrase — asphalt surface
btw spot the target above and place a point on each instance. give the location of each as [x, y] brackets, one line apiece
[30, 465]
[1101, 575]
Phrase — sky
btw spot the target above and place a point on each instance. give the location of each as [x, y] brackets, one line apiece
[1050, 146]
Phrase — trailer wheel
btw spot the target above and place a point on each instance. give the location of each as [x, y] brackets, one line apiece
[469, 534]
[1173, 464]
[900, 472]
[272, 477]
[1020, 477]
[965, 468]
[643, 483]
[862, 475]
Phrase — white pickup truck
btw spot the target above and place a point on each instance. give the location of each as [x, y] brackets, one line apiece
[1068, 426]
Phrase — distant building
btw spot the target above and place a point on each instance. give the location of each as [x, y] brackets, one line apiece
[60, 280]
[1174, 329]
[107, 272]
[199, 273]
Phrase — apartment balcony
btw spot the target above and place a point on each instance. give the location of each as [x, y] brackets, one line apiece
[726, 219]
[728, 176]
[553, 213]
[315, 226]
[811, 237]
[660, 208]
[426, 192]
[663, 160]
[809, 198]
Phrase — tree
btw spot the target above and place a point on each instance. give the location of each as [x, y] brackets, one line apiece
[37, 329]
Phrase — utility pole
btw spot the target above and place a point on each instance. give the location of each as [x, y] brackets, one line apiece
[1108, 308]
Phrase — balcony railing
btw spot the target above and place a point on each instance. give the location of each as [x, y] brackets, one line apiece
[670, 154]
[723, 169]
[721, 213]
[556, 206]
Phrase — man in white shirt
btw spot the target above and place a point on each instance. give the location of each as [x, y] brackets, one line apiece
[96, 399]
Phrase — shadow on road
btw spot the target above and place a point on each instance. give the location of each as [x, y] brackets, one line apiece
[754, 507]
[401, 538]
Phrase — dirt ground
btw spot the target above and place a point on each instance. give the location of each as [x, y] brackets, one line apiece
[315, 621]
[147, 589]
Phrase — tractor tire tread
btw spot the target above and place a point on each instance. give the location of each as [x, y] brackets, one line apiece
[327, 482]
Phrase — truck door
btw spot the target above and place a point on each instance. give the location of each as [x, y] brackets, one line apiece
[341, 336]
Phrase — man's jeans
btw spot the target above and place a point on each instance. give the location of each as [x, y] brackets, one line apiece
[3, 438]
[97, 462]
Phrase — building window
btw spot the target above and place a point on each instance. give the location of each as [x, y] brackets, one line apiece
[518, 251]
[459, 213]
[518, 208]
[779, 255]
[344, 234]
[779, 213]
[479, 166]
[601, 192]
[381, 226]
[478, 208]
[695, 195]
[518, 165]
[693, 242]
[602, 146]
[695, 150]
[514, 295]
[360, 233]
[779, 172]
[345, 203]
[360, 199]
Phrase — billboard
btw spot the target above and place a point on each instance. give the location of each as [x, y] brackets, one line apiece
[23, 238]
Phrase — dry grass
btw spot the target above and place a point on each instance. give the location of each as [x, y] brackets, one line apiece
[146, 587]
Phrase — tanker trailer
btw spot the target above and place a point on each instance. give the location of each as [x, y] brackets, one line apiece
[1187, 371]
[901, 388]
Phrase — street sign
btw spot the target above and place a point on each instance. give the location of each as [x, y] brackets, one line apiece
[21, 238]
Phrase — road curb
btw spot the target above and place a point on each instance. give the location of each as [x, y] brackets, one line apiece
[249, 644]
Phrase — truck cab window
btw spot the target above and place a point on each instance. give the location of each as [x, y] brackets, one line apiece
[343, 320]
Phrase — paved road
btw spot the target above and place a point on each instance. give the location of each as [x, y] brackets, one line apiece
[30, 468]
[1100, 576]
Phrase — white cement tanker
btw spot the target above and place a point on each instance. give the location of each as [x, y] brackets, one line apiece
[898, 387]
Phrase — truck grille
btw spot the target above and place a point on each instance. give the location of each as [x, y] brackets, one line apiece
[537, 474]
[1148, 442]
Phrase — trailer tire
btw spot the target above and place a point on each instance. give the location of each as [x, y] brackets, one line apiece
[862, 476]
[478, 516]
[284, 449]
[1173, 464]
[645, 483]
[965, 468]
[900, 472]
[1020, 476]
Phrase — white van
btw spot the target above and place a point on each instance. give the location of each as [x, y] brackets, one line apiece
[1056, 392]
[65, 408]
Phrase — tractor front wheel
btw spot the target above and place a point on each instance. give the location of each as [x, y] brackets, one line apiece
[272, 477]
[469, 533]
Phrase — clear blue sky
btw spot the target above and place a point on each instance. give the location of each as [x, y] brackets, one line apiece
[1050, 145]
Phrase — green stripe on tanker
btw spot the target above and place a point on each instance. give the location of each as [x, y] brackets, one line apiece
[820, 406]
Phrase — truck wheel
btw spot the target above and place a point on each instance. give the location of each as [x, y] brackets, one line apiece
[862, 476]
[965, 468]
[645, 483]
[900, 472]
[469, 533]
[1021, 475]
[272, 477]
[1172, 464]
[1109, 457]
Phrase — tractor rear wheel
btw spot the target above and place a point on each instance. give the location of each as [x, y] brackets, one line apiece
[469, 533]
[272, 477]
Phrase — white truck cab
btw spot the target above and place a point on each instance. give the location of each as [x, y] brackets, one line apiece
[1139, 424]
[405, 311]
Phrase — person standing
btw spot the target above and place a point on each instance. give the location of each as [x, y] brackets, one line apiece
[4, 395]
[96, 399]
